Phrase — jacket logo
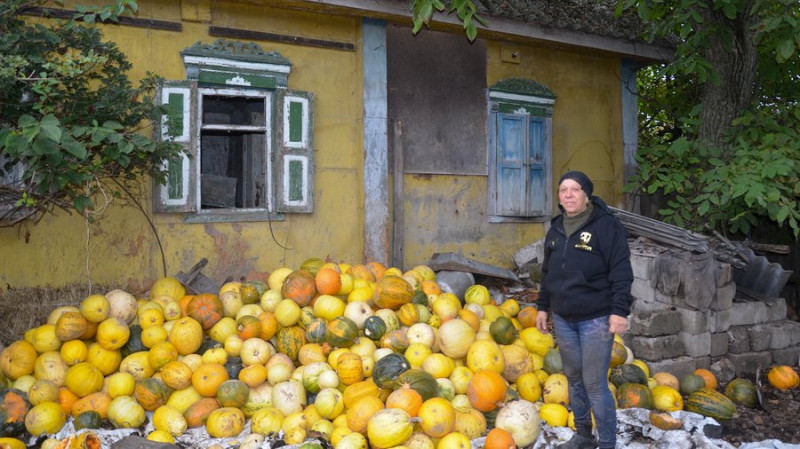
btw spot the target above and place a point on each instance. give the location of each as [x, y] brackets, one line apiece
[585, 238]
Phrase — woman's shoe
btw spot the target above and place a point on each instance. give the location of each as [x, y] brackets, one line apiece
[578, 442]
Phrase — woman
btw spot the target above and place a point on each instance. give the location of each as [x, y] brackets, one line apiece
[586, 282]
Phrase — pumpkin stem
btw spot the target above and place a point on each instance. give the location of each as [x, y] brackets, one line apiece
[415, 420]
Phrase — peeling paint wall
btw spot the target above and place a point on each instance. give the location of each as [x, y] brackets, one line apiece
[121, 249]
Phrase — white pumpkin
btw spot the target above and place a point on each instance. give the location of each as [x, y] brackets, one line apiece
[521, 419]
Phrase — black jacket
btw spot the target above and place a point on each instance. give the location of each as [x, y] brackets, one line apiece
[588, 275]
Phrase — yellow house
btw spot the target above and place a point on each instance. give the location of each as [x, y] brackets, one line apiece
[326, 129]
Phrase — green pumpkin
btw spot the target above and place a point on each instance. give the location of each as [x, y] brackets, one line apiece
[341, 332]
[14, 405]
[741, 391]
[389, 368]
[420, 298]
[503, 331]
[87, 420]
[233, 365]
[552, 362]
[627, 373]
[691, 383]
[316, 330]
[631, 395]
[134, 343]
[491, 417]
[374, 327]
[418, 380]
[711, 403]
[289, 340]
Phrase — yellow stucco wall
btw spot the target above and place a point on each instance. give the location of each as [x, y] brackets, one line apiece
[443, 213]
[451, 211]
[121, 249]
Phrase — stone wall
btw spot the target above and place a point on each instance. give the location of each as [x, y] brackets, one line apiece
[687, 315]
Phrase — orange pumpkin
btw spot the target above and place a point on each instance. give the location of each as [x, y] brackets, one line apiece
[14, 405]
[362, 410]
[708, 377]
[527, 316]
[67, 399]
[328, 281]
[391, 292]
[359, 390]
[499, 439]
[97, 402]
[248, 326]
[206, 309]
[207, 378]
[405, 398]
[360, 271]
[350, 368]
[70, 326]
[783, 377]
[269, 325]
[197, 413]
[299, 286]
[486, 389]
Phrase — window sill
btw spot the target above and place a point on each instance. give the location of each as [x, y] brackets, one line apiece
[232, 216]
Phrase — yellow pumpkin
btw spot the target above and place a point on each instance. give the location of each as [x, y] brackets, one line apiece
[125, 412]
[469, 422]
[349, 368]
[437, 417]
[95, 308]
[84, 379]
[555, 389]
[45, 418]
[454, 440]
[106, 360]
[18, 359]
[120, 384]
[389, 427]
[187, 335]
[555, 415]
[138, 365]
[456, 336]
[328, 307]
[112, 333]
[122, 305]
[783, 377]
[225, 422]
[168, 286]
[529, 388]
[74, 351]
[537, 342]
[666, 399]
[50, 366]
[43, 390]
[169, 419]
[44, 338]
[485, 355]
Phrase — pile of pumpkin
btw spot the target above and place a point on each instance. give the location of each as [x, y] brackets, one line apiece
[357, 355]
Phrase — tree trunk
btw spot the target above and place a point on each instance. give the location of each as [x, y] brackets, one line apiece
[733, 54]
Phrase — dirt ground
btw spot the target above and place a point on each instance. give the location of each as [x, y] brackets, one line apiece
[777, 419]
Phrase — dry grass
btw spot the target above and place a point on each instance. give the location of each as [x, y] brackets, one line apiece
[24, 308]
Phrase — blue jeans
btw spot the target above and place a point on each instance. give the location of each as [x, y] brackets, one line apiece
[585, 348]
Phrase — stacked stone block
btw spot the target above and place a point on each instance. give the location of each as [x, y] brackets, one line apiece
[685, 316]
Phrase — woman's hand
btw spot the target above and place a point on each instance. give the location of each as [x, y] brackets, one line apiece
[616, 324]
[541, 321]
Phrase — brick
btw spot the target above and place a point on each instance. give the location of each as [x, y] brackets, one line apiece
[645, 306]
[702, 362]
[724, 274]
[655, 324]
[673, 301]
[784, 334]
[719, 321]
[759, 336]
[641, 290]
[658, 348]
[748, 312]
[642, 266]
[723, 299]
[738, 340]
[748, 363]
[719, 344]
[678, 367]
[696, 345]
[786, 356]
[693, 321]
[777, 311]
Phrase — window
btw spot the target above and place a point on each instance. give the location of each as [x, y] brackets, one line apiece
[247, 139]
[520, 151]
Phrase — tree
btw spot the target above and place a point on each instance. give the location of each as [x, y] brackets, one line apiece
[720, 123]
[71, 122]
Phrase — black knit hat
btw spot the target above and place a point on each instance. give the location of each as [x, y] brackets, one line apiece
[581, 178]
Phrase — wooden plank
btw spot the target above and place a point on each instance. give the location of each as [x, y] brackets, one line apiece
[457, 262]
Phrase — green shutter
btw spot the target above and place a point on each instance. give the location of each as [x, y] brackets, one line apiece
[179, 192]
[294, 165]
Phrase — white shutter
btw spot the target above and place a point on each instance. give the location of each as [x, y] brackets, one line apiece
[294, 164]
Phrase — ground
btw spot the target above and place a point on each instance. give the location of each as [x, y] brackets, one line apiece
[776, 420]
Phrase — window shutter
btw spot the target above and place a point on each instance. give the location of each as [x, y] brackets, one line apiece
[510, 160]
[537, 167]
[294, 162]
[179, 192]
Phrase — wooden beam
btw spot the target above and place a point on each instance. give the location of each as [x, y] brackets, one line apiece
[238, 33]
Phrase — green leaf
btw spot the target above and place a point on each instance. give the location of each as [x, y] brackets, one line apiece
[74, 148]
[51, 128]
[729, 10]
[785, 49]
